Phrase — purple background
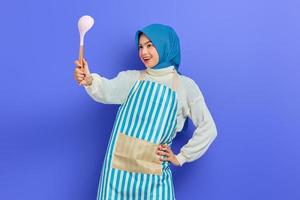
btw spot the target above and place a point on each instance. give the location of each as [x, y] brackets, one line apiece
[244, 55]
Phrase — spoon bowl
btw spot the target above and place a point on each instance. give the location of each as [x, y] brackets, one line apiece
[85, 23]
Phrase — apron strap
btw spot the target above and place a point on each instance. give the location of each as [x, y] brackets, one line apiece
[142, 75]
[175, 78]
[175, 81]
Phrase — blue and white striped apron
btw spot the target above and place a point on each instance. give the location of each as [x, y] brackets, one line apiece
[149, 115]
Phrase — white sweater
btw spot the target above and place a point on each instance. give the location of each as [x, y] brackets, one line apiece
[190, 99]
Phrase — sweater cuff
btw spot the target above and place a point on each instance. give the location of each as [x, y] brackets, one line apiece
[181, 159]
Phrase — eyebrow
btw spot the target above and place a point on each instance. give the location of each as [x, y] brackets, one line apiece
[146, 42]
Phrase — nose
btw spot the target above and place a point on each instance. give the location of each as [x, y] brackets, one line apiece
[144, 51]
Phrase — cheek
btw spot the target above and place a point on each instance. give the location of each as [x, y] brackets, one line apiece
[156, 56]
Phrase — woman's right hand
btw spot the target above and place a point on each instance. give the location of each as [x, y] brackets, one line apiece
[82, 74]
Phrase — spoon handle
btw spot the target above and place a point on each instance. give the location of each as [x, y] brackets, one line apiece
[81, 56]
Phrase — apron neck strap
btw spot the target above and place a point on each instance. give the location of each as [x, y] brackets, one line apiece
[175, 78]
[142, 75]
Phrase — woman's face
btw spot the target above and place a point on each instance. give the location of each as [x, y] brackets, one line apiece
[147, 52]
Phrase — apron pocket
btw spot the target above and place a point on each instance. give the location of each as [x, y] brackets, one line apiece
[136, 155]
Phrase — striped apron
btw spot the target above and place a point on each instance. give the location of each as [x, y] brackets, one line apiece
[131, 167]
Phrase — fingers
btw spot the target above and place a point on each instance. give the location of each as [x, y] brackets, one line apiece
[86, 66]
[78, 64]
[167, 154]
[163, 153]
[81, 79]
[84, 61]
[81, 72]
[164, 147]
[82, 82]
[164, 150]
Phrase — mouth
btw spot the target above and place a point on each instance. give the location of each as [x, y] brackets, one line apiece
[146, 60]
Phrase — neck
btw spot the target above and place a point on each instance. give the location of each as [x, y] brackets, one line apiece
[161, 72]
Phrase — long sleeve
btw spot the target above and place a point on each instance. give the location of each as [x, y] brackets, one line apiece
[205, 131]
[112, 91]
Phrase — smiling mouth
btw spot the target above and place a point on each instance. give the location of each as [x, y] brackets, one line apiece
[146, 59]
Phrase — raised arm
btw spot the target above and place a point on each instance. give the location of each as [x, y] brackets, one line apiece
[111, 91]
[103, 90]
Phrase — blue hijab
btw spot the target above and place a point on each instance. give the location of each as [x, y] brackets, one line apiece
[166, 42]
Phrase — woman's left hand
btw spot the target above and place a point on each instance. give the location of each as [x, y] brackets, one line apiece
[165, 150]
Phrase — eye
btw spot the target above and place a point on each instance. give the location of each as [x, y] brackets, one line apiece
[140, 47]
[149, 45]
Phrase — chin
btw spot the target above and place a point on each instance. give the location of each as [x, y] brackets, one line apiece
[148, 66]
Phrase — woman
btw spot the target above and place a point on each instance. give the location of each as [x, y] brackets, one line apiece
[154, 104]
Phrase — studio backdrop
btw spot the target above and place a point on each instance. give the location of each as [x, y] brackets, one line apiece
[244, 55]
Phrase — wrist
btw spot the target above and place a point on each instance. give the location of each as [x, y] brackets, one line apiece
[180, 158]
[89, 80]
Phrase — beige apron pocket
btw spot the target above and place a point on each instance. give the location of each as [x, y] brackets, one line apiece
[136, 155]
